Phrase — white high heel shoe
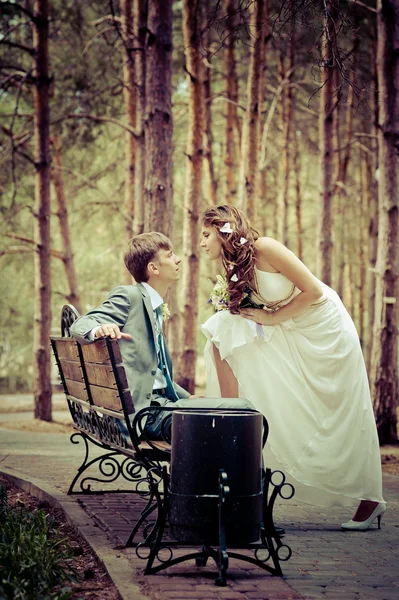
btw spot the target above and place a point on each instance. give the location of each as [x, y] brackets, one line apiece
[364, 525]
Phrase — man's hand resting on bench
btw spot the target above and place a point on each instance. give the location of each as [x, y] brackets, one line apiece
[112, 331]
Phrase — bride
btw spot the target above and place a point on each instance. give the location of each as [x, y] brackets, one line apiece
[283, 340]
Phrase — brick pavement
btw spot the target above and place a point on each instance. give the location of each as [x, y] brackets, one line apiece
[326, 563]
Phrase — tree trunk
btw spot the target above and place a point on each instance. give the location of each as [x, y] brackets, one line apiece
[42, 318]
[286, 124]
[298, 197]
[261, 175]
[362, 245]
[372, 203]
[158, 201]
[343, 255]
[62, 214]
[338, 150]
[229, 63]
[326, 149]
[249, 140]
[212, 183]
[129, 97]
[140, 32]
[384, 360]
[348, 288]
[192, 25]
[372, 213]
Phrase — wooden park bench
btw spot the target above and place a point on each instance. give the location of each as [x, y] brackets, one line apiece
[116, 449]
[96, 388]
[98, 397]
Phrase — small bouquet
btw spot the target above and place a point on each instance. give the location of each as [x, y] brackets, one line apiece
[220, 296]
[165, 311]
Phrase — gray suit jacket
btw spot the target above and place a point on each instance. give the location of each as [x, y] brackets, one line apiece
[129, 307]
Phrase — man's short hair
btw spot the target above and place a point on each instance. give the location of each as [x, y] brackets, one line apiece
[141, 250]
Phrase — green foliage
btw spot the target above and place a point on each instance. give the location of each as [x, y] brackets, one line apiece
[33, 556]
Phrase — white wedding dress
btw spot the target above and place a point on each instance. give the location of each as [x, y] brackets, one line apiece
[307, 376]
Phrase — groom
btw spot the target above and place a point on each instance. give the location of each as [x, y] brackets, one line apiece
[133, 315]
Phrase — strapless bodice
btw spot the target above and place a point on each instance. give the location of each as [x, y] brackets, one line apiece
[275, 289]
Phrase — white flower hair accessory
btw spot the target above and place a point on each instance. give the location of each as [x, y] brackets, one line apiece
[243, 241]
[226, 228]
[234, 277]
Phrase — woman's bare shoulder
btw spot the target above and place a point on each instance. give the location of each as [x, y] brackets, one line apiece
[267, 245]
[266, 250]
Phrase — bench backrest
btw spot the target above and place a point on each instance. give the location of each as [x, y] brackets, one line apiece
[95, 385]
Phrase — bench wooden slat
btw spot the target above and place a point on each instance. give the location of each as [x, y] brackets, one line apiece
[77, 389]
[104, 376]
[67, 348]
[97, 352]
[158, 444]
[95, 379]
[72, 370]
[106, 397]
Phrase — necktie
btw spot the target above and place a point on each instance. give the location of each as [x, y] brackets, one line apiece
[163, 364]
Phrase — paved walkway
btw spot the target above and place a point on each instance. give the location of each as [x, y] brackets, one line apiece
[326, 563]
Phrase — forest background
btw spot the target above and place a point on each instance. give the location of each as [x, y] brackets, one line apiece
[125, 116]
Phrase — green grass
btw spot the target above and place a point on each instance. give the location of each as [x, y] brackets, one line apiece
[34, 557]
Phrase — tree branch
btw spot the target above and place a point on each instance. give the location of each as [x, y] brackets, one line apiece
[31, 243]
[19, 7]
[96, 36]
[3, 115]
[367, 135]
[20, 238]
[27, 49]
[370, 8]
[26, 156]
[15, 250]
[228, 100]
[107, 18]
[273, 106]
[13, 169]
[87, 181]
[132, 130]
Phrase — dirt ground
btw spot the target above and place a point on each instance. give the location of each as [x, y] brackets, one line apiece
[92, 582]
[390, 459]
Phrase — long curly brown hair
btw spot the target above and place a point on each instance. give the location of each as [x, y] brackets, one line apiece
[238, 258]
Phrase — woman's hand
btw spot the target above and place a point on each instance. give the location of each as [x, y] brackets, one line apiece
[258, 315]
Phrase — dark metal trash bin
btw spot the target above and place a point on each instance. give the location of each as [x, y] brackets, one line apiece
[204, 442]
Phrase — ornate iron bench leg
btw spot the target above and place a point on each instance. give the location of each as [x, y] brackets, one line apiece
[108, 467]
[85, 487]
[269, 535]
[202, 560]
[155, 536]
[145, 513]
[223, 557]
